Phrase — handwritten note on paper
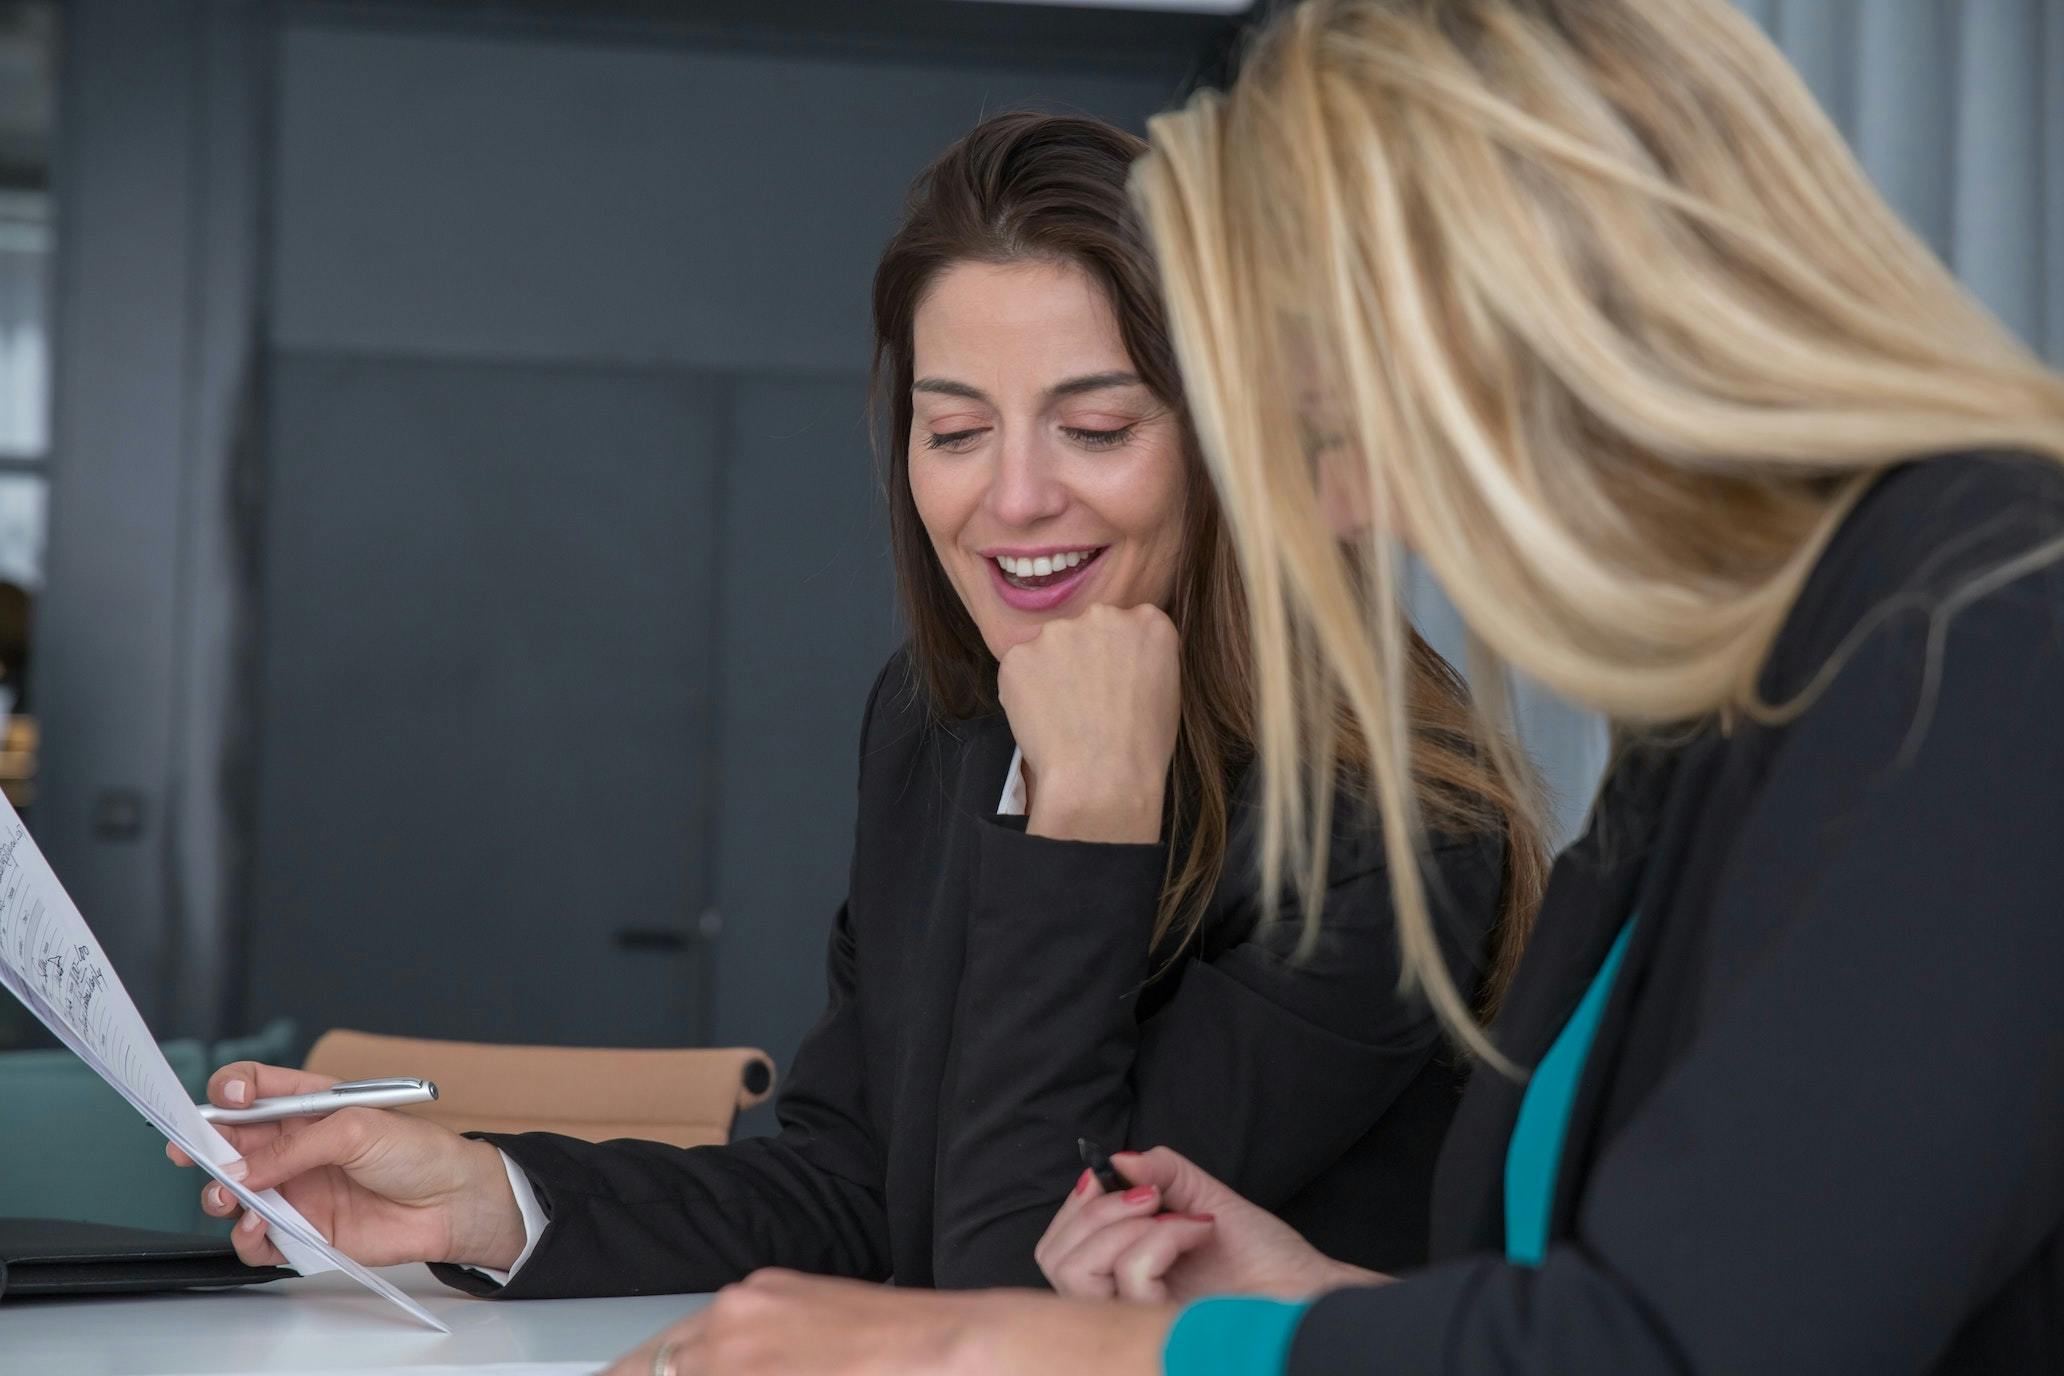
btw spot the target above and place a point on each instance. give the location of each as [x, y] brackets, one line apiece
[50, 960]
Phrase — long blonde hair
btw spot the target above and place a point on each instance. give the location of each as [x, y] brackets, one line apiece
[1593, 306]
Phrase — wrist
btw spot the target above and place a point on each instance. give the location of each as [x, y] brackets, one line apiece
[1017, 1335]
[1120, 807]
[487, 1226]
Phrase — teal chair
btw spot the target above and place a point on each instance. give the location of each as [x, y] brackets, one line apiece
[70, 1147]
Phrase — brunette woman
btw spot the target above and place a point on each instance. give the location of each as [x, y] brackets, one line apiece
[1056, 926]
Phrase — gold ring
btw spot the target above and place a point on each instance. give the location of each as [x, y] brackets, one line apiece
[663, 1360]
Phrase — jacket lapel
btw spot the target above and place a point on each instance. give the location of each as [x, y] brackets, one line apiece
[1590, 895]
[1657, 899]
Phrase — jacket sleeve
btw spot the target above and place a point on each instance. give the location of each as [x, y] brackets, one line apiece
[1264, 1065]
[632, 1217]
[1862, 1142]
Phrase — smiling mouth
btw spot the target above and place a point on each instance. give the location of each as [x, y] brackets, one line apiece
[1045, 570]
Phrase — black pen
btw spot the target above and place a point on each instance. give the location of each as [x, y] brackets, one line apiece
[1099, 1162]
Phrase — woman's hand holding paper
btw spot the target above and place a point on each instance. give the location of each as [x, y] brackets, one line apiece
[384, 1187]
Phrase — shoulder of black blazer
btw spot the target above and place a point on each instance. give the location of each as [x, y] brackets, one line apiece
[1666, 816]
[911, 756]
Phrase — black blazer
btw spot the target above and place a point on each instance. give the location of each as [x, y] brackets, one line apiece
[991, 1001]
[1821, 1129]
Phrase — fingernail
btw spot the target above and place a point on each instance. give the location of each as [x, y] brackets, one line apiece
[1138, 1194]
[218, 1198]
[236, 1091]
[250, 1223]
[1087, 1181]
[1126, 1155]
[237, 1169]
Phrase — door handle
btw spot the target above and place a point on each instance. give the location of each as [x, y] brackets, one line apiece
[670, 939]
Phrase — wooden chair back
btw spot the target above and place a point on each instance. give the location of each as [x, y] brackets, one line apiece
[687, 1097]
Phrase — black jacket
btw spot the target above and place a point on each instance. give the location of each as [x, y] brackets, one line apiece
[991, 1001]
[1821, 1129]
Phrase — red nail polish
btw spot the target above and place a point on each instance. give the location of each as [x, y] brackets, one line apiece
[1138, 1194]
[1086, 1183]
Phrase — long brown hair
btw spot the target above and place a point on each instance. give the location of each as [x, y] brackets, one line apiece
[1029, 186]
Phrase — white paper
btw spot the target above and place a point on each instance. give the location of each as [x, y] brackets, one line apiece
[50, 960]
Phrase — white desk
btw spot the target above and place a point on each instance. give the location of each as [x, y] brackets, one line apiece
[320, 1323]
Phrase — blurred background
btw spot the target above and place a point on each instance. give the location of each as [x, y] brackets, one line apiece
[441, 566]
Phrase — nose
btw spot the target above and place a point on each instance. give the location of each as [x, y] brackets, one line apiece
[1025, 488]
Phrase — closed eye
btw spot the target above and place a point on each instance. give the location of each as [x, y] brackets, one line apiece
[955, 439]
[1098, 439]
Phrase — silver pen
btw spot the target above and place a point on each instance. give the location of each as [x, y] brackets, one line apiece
[392, 1092]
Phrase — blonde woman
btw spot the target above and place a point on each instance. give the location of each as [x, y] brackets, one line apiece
[1585, 302]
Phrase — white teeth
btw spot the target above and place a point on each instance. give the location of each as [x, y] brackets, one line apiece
[1043, 565]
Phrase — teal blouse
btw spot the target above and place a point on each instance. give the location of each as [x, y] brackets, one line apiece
[1534, 1155]
[1243, 1336]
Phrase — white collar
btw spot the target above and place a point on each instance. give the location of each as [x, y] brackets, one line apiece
[1012, 803]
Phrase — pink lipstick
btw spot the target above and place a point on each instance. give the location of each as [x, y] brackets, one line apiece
[1025, 589]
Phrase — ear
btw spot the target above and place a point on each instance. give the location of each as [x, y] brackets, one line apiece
[1344, 493]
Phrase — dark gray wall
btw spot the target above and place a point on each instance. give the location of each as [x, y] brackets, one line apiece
[805, 627]
[401, 343]
[157, 180]
[121, 414]
[487, 732]
[525, 198]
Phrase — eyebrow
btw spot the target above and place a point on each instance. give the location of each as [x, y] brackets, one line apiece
[1074, 386]
[1094, 382]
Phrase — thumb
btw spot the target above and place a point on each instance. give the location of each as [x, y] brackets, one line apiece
[1140, 1272]
[1185, 1186]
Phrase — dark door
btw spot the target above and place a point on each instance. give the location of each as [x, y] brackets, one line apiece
[807, 623]
[487, 674]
